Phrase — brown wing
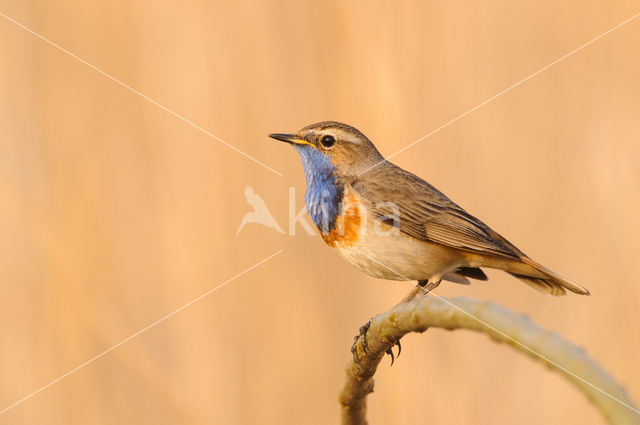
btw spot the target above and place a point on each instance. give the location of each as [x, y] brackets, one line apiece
[427, 214]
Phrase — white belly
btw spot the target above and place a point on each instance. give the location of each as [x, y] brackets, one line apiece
[382, 251]
[397, 257]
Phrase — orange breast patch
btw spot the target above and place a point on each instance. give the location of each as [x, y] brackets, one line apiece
[347, 229]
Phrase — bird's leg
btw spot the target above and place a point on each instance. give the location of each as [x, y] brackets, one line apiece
[422, 288]
[415, 291]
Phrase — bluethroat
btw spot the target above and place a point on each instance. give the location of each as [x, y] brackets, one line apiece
[391, 224]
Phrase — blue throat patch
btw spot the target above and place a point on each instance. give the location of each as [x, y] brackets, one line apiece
[323, 195]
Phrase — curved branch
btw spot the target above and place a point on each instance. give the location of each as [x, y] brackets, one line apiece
[499, 324]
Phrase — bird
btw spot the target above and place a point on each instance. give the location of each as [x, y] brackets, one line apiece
[392, 224]
[260, 213]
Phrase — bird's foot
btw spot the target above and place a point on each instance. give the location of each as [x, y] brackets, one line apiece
[362, 334]
[390, 351]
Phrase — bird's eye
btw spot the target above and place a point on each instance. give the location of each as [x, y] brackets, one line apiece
[328, 141]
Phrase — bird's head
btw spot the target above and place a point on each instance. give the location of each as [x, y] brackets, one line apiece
[332, 147]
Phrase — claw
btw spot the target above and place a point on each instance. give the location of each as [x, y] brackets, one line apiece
[363, 333]
[354, 348]
[390, 352]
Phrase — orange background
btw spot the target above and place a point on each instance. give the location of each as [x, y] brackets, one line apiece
[114, 213]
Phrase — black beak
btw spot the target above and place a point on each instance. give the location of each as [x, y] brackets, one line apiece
[287, 138]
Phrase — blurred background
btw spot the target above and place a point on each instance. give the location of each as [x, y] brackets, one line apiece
[114, 212]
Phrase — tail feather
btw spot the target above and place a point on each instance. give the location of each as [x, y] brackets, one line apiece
[545, 280]
[547, 286]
